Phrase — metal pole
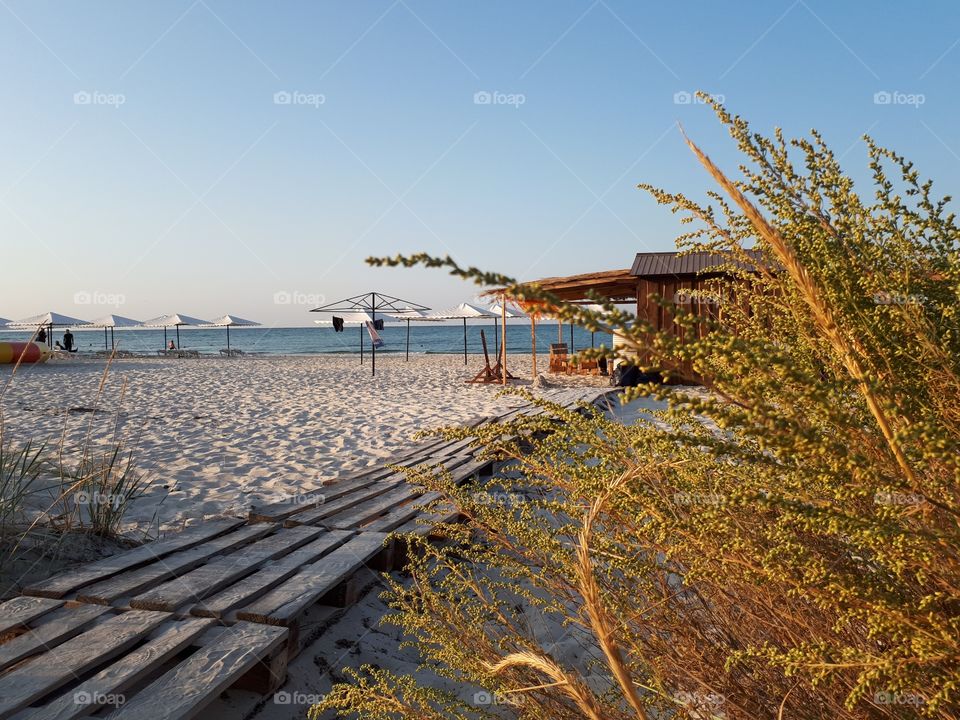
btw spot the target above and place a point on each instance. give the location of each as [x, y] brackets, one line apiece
[571, 337]
[496, 334]
[533, 342]
[113, 343]
[178, 337]
[228, 341]
[408, 339]
[373, 344]
[503, 317]
[105, 337]
[464, 341]
[164, 337]
[361, 342]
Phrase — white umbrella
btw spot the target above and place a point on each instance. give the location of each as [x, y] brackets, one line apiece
[408, 313]
[111, 321]
[229, 321]
[512, 312]
[49, 320]
[463, 311]
[173, 320]
[4, 321]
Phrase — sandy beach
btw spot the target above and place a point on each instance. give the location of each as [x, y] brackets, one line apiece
[217, 435]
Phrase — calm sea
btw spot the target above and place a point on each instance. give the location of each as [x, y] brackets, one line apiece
[424, 338]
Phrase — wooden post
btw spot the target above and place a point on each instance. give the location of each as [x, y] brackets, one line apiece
[533, 342]
[503, 318]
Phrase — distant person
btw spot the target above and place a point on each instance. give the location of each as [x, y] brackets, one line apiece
[171, 346]
[68, 341]
[41, 335]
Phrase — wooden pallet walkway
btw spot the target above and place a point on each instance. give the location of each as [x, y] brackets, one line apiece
[222, 604]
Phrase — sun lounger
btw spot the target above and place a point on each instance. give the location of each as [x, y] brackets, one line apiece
[232, 352]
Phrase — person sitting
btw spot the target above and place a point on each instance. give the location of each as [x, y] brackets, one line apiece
[41, 335]
[68, 341]
[171, 346]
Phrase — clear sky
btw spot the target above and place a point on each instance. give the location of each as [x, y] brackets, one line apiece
[216, 156]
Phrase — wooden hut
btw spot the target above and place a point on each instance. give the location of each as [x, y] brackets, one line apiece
[686, 279]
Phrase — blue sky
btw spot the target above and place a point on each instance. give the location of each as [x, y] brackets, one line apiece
[213, 156]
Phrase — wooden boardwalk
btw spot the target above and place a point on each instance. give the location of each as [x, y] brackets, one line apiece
[165, 628]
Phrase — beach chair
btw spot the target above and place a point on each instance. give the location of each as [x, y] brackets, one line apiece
[490, 374]
[559, 362]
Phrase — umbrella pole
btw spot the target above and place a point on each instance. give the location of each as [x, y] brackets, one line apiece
[113, 343]
[496, 334]
[408, 339]
[571, 337]
[503, 318]
[105, 337]
[361, 343]
[164, 337]
[178, 337]
[592, 333]
[533, 342]
[464, 341]
[228, 341]
[373, 346]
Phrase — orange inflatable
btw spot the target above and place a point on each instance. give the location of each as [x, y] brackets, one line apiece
[10, 352]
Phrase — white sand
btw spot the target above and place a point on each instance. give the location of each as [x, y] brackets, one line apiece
[219, 435]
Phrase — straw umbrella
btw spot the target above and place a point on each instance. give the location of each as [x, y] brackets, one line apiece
[464, 311]
[49, 320]
[112, 322]
[229, 321]
[174, 320]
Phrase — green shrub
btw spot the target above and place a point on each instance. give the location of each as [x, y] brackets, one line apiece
[784, 545]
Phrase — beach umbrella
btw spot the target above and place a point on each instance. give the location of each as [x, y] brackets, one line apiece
[463, 311]
[4, 321]
[409, 314]
[511, 312]
[229, 321]
[111, 321]
[49, 320]
[174, 320]
[376, 306]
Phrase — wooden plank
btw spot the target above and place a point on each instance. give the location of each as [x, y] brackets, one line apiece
[365, 512]
[19, 611]
[59, 625]
[73, 658]
[284, 604]
[371, 509]
[400, 515]
[324, 494]
[221, 572]
[324, 511]
[169, 640]
[136, 581]
[188, 688]
[60, 585]
[252, 587]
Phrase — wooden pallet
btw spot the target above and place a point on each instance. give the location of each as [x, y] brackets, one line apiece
[67, 660]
